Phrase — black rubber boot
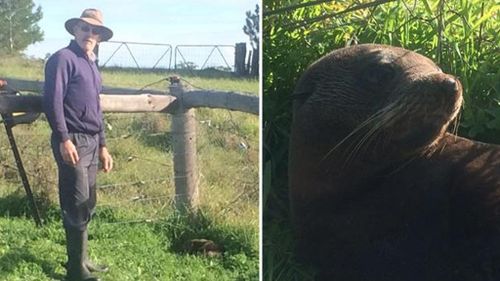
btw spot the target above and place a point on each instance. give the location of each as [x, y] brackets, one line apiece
[86, 261]
[76, 269]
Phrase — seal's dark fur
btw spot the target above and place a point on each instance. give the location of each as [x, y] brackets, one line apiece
[379, 190]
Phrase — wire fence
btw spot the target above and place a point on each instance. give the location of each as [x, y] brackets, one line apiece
[142, 179]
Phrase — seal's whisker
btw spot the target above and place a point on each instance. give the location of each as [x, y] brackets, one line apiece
[358, 146]
[456, 123]
[366, 138]
[380, 117]
[359, 128]
[384, 117]
[379, 120]
[355, 134]
[355, 131]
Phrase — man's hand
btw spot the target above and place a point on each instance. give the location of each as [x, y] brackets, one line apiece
[68, 152]
[106, 159]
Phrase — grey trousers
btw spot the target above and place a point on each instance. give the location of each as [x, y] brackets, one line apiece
[77, 185]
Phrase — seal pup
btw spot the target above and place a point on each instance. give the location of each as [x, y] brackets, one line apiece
[379, 190]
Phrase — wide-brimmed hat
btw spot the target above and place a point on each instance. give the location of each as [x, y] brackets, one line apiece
[93, 17]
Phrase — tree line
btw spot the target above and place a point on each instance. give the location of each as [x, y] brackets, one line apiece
[19, 25]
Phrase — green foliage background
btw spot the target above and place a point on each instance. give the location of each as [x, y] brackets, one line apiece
[461, 36]
[18, 25]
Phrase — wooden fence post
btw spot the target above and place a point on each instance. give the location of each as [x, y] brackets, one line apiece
[184, 149]
[254, 68]
[239, 59]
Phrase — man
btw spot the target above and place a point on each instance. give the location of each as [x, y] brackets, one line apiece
[71, 104]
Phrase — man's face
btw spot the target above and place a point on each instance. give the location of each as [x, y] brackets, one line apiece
[87, 36]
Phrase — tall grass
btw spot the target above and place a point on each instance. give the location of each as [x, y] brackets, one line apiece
[136, 229]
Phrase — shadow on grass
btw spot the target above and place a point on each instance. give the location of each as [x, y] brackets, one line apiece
[153, 130]
[17, 205]
[162, 141]
[15, 256]
[180, 228]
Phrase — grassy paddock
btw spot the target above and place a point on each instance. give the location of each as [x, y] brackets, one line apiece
[136, 229]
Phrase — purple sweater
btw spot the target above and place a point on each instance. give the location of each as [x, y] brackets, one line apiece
[71, 94]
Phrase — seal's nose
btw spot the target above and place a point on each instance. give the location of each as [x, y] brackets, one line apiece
[450, 85]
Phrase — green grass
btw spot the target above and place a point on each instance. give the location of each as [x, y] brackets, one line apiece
[136, 229]
[152, 251]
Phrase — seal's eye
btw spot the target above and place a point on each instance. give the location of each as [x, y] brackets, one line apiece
[379, 74]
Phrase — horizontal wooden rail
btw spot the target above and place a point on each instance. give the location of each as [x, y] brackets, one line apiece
[132, 100]
[218, 99]
[109, 103]
[138, 103]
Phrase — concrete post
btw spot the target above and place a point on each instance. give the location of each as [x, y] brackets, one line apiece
[184, 149]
